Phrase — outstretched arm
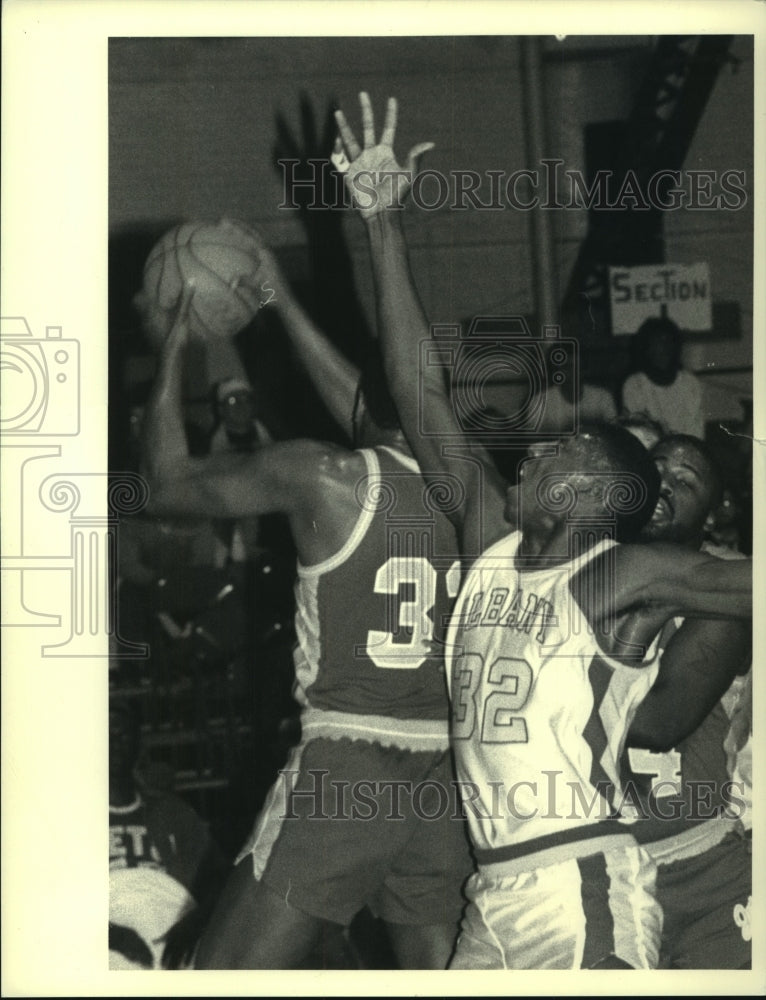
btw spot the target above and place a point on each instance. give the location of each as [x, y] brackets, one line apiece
[698, 665]
[678, 582]
[378, 186]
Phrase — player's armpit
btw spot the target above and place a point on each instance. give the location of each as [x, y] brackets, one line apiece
[682, 582]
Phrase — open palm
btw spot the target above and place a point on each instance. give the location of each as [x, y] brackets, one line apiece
[374, 178]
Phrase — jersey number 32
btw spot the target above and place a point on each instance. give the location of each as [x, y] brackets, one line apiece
[417, 579]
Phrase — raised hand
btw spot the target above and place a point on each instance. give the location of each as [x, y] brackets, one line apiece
[373, 176]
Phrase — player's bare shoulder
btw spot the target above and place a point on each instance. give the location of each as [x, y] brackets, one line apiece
[327, 511]
[306, 466]
[336, 471]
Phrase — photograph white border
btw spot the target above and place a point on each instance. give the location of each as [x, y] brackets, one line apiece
[54, 273]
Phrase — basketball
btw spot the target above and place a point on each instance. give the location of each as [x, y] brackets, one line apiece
[219, 260]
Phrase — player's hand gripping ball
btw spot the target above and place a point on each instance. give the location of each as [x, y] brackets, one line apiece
[221, 261]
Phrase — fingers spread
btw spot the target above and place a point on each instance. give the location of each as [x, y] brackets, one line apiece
[349, 141]
[417, 151]
[368, 120]
[338, 157]
[389, 126]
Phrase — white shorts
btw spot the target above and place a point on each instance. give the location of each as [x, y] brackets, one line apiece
[569, 915]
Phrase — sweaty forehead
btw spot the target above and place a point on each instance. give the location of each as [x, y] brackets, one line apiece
[580, 450]
[678, 455]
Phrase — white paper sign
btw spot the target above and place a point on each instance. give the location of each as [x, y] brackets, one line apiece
[683, 290]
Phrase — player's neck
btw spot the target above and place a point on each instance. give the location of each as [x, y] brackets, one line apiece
[544, 547]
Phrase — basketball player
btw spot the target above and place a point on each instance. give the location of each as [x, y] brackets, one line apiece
[690, 804]
[551, 627]
[372, 595]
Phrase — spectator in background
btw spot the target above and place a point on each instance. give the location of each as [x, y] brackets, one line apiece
[164, 868]
[239, 429]
[261, 558]
[660, 386]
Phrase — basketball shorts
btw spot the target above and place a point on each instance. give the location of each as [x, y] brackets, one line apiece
[572, 914]
[706, 899]
[350, 823]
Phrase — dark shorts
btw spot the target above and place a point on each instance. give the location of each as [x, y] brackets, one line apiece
[351, 823]
[706, 901]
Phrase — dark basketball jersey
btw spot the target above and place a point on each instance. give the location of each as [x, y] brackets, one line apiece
[687, 784]
[371, 620]
[674, 793]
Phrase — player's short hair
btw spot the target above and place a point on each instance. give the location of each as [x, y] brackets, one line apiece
[603, 448]
[374, 389]
[713, 476]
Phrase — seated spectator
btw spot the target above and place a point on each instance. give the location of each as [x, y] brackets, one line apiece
[164, 867]
[660, 386]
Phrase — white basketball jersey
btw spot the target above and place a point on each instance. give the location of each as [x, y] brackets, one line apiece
[539, 712]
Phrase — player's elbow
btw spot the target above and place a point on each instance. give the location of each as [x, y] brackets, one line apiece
[651, 737]
[652, 741]
[654, 727]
